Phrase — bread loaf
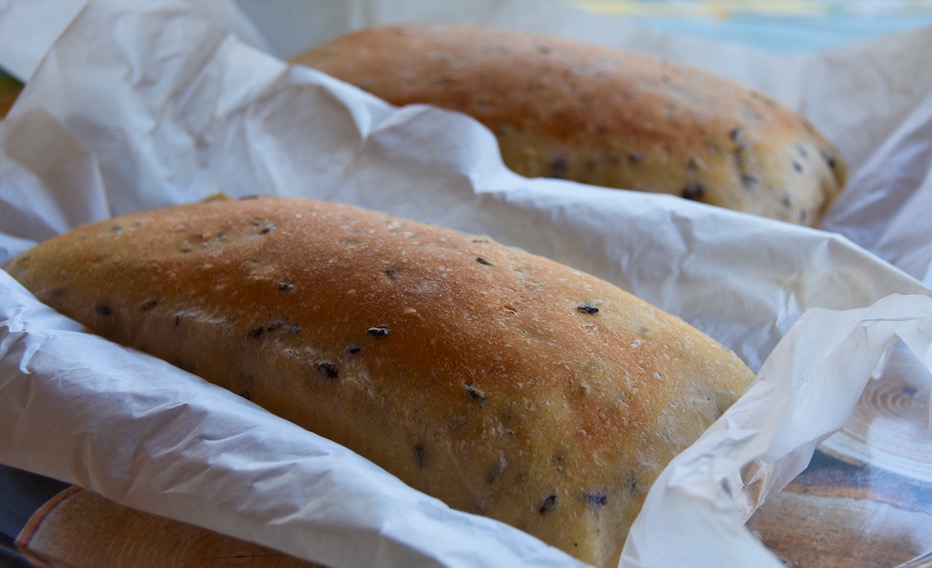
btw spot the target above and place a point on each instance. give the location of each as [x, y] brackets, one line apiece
[500, 382]
[601, 116]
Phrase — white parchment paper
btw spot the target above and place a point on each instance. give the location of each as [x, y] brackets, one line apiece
[138, 106]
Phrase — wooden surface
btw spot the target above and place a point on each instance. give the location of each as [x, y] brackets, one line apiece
[80, 529]
[838, 515]
[9, 90]
[866, 498]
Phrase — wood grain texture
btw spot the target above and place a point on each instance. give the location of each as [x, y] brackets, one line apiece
[866, 498]
[9, 91]
[889, 428]
[81, 529]
[810, 530]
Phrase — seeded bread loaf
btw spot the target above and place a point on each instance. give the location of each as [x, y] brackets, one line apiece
[601, 116]
[500, 382]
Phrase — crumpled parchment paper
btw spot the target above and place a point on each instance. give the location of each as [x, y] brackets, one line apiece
[144, 105]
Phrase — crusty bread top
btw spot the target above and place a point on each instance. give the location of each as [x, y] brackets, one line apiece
[602, 116]
[501, 382]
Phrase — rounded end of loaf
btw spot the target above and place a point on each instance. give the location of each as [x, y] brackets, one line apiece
[501, 382]
[601, 116]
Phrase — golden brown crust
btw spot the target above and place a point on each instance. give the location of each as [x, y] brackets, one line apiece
[601, 116]
[501, 382]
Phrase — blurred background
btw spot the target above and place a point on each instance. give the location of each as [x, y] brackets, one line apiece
[780, 26]
[783, 26]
